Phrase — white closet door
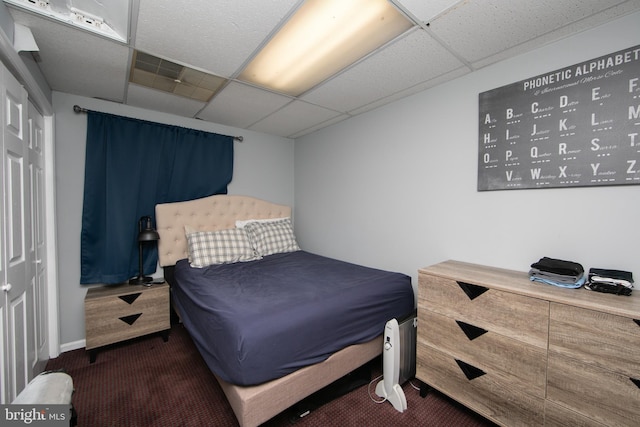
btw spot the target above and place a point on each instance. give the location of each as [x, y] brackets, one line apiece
[17, 305]
[37, 247]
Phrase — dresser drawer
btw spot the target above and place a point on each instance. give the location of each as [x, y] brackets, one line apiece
[513, 362]
[520, 317]
[485, 394]
[559, 416]
[604, 395]
[593, 337]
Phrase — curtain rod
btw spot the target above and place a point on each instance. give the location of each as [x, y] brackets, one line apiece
[78, 109]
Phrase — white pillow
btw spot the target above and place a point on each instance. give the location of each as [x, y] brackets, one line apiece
[189, 229]
[220, 247]
[242, 222]
[272, 237]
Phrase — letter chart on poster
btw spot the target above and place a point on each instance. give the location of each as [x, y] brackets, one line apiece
[574, 127]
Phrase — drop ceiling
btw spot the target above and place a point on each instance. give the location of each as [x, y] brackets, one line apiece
[89, 52]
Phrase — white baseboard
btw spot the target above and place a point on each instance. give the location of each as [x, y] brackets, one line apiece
[72, 345]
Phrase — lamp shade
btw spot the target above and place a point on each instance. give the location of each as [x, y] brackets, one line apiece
[147, 232]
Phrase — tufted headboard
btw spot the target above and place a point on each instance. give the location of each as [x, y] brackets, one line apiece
[206, 214]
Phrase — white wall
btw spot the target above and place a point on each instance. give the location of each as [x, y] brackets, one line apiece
[396, 188]
[263, 167]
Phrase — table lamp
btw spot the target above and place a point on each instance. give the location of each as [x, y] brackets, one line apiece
[146, 233]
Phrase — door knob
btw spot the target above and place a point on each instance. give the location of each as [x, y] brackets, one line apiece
[6, 287]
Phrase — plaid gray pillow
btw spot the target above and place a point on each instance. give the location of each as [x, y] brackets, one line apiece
[220, 247]
[272, 237]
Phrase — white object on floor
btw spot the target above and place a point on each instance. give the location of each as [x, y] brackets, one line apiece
[47, 388]
[388, 387]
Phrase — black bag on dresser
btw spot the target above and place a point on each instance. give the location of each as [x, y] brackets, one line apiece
[609, 281]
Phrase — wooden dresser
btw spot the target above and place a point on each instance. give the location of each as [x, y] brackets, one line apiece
[120, 312]
[525, 353]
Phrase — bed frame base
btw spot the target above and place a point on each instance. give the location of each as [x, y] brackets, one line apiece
[254, 405]
[338, 388]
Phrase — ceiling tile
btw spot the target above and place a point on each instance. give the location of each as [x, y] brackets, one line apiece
[329, 122]
[503, 24]
[220, 36]
[140, 96]
[414, 59]
[459, 72]
[214, 36]
[427, 10]
[294, 118]
[577, 26]
[241, 105]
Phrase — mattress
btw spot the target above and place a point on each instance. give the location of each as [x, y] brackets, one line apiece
[260, 320]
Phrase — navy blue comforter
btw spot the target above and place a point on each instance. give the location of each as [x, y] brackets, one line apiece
[260, 320]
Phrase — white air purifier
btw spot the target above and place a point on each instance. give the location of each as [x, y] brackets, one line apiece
[398, 354]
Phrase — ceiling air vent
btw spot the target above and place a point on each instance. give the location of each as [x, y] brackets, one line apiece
[157, 73]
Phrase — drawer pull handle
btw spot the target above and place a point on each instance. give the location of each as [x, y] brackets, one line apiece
[470, 371]
[635, 381]
[130, 320]
[130, 298]
[472, 332]
[472, 291]
[637, 321]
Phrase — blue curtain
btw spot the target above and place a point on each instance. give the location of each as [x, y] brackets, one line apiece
[131, 165]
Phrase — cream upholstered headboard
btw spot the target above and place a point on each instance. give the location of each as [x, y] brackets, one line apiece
[207, 214]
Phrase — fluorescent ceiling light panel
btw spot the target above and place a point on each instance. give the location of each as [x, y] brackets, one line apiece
[322, 38]
[86, 14]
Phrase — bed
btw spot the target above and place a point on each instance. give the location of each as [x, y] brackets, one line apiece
[226, 309]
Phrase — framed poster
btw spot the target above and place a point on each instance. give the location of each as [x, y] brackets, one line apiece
[574, 127]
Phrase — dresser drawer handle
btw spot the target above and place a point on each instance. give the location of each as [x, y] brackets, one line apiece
[637, 321]
[472, 291]
[472, 332]
[130, 320]
[470, 371]
[635, 381]
[130, 298]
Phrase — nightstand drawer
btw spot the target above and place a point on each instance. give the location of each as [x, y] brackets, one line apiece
[117, 313]
[152, 299]
[109, 330]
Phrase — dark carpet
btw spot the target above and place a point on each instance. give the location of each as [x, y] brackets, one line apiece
[147, 382]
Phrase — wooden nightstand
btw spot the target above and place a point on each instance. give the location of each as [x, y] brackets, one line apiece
[121, 312]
